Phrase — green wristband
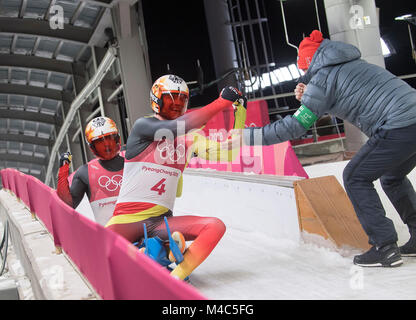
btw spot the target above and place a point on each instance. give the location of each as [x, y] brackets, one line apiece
[305, 117]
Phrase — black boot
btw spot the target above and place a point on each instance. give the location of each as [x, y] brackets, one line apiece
[409, 249]
[386, 256]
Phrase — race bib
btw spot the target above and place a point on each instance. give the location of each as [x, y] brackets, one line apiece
[103, 209]
[150, 183]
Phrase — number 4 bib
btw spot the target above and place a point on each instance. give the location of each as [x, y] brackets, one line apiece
[150, 183]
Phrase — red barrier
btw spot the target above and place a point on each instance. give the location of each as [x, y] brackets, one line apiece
[4, 179]
[75, 234]
[40, 196]
[152, 282]
[11, 175]
[112, 265]
[21, 188]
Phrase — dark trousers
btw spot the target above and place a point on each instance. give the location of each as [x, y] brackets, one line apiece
[389, 155]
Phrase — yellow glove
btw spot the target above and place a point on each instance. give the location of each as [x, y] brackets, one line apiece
[240, 113]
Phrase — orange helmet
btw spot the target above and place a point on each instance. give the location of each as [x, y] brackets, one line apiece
[103, 138]
[169, 96]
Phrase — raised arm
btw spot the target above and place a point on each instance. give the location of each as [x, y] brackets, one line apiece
[316, 100]
[211, 150]
[190, 120]
[63, 183]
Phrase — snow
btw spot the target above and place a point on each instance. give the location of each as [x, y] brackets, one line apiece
[249, 264]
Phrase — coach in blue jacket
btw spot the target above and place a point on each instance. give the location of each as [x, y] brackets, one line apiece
[383, 106]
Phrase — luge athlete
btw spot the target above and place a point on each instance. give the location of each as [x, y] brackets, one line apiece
[156, 155]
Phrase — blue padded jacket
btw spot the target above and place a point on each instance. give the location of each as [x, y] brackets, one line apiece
[343, 85]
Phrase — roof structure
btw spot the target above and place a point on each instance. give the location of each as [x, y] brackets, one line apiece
[39, 57]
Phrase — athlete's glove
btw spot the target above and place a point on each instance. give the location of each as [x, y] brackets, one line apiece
[65, 158]
[240, 113]
[231, 94]
[240, 103]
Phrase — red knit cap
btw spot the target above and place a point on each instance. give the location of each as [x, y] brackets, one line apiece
[308, 47]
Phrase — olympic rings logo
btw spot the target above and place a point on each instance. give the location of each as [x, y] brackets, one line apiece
[168, 153]
[111, 184]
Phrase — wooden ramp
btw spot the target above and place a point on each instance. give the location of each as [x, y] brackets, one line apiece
[325, 209]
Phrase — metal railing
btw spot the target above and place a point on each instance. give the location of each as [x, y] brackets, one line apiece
[89, 88]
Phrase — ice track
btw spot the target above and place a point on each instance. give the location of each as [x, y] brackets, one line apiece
[279, 264]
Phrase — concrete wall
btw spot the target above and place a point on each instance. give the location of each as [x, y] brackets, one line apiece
[252, 203]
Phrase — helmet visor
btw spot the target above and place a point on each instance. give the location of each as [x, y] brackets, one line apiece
[106, 147]
[174, 105]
